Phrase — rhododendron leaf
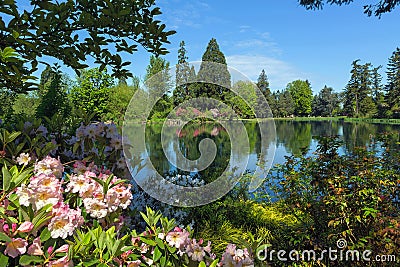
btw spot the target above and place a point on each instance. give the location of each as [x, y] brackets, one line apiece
[148, 241]
[109, 178]
[11, 137]
[75, 147]
[9, 220]
[14, 170]
[171, 249]
[4, 237]
[39, 222]
[28, 259]
[22, 177]
[157, 254]
[160, 243]
[101, 182]
[145, 218]
[163, 260]
[23, 213]
[117, 183]
[45, 235]
[202, 264]
[6, 178]
[115, 246]
[3, 260]
[19, 148]
[14, 202]
[214, 263]
[91, 262]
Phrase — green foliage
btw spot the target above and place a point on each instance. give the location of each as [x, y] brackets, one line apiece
[54, 100]
[7, 98]
[92, 92]
[26, 104]
[263, 84]
[158, 84]
[393, 85]
[50, 28]
[282, 104]
[119, 98]
[242, 222]
[342, 196]
[217, 75]
[358, 98]
[326, 103]
[245, 103]
[302, 96]
[184, 75]
[376, 9]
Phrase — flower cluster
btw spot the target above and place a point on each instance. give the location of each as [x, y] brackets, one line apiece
[236, 257]
[179, 238]
[64, 220]
[19, 246]
[99, 139]
[45, 188]
[87, 183]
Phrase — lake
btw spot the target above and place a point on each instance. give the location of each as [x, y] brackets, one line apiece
[167, 147]
[173, 162]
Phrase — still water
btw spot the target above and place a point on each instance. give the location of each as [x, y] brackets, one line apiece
[269, 145]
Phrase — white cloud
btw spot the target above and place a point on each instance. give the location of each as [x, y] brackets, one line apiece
[244, 28]
[279, 73]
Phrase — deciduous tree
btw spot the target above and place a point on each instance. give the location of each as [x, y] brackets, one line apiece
[302, 96]
[377, 8]
[73, 30]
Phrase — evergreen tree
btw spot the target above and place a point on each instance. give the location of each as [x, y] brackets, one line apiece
[158, 83]
[263, 85]
[302, 96]
[45, 79]
[393, 83]
[377, 93]
[54, 98]
[325, 103]
[183, 75]
[216, 76]
[358, 92]
[286, 104]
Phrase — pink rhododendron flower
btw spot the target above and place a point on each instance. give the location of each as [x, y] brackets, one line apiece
[77, 184]
[24, 195]
[195, 251]
[48, 166]
[62, 249]
[61, 227]
[61, 262]
[45, 196]
[135, 263]
[25, 227]
[95, 207]
[64, 221]
[16, 247]
[23, 159]
[35, 249]
[236, 257]
[177, 238]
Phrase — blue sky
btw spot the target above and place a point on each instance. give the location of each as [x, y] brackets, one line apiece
[283, 38]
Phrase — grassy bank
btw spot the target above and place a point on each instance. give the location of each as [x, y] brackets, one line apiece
[345, 119]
